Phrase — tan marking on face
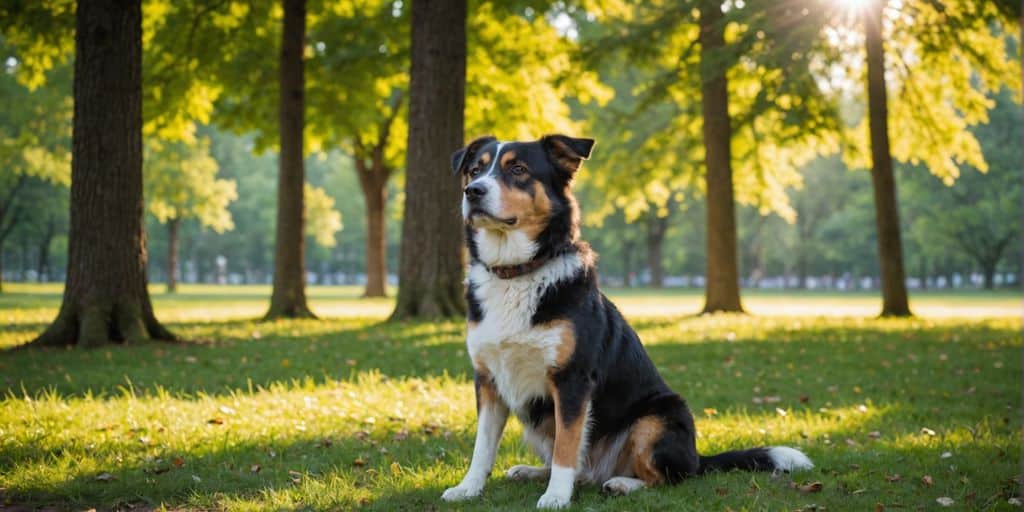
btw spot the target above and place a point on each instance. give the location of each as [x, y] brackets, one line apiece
[642, 437]
[507, 157]
[532, 211]
[485, 158]
[568, 436]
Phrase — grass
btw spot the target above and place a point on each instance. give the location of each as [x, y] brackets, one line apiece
[349, 412]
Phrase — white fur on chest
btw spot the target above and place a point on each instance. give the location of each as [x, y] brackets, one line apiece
[516, 354]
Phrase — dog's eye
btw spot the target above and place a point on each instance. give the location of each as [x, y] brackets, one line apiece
[517, 169]
[474, 172]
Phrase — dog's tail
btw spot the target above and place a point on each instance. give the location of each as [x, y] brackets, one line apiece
[772, 458]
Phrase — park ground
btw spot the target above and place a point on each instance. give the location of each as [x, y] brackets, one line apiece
[349, 412]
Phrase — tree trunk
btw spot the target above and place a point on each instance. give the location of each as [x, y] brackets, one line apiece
[722, 292]
[105, 295]
[656, 228]
[988, 271]
[627, 263]
[432, 262]
[1, 266]
[43, 262]
[890, 246]
[289, 296]
[172, 254]
[375, 192]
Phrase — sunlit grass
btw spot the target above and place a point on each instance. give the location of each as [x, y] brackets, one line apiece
[348, 412]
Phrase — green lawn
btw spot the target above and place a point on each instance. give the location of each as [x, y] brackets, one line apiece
[349, 412]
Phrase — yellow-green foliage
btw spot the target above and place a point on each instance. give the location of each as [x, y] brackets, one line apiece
[181, 183]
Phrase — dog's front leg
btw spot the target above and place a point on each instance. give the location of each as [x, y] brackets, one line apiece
[571, 394]
[492, 413]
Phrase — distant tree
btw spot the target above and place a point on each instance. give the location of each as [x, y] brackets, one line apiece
[976, 216]
[34, 138]
[945, 58]
[105, 295]
[288, 298]
[181, 183]
[760, 102]
[431, 266]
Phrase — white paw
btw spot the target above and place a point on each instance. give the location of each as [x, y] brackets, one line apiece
[524, 472]
[462, 492]
[621, 485]
[551, 500]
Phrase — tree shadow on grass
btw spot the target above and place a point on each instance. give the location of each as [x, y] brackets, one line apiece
[804, 366]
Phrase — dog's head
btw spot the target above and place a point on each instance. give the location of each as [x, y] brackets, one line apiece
[516, 199]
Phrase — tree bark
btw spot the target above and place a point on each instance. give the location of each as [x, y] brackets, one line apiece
[656, 228]
[722, 292]
[173, 226]
[890, 245]
[105, 295]
[288, 299]
[373, 181]
[432, 262]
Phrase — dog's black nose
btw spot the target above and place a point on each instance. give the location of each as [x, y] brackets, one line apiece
[475, 191]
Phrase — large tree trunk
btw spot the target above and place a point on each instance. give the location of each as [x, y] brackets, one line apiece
[431, 266]
[722, 292]
[890, 245]
[105, 295]
[656, 228]
[289, 296]
[173, 226]
[375, 192]
[988, 271]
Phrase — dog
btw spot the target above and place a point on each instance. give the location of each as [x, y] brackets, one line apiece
[547, 346]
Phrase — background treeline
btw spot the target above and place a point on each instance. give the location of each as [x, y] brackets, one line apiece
[805, 214]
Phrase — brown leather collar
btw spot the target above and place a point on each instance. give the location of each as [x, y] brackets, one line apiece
[511, 271]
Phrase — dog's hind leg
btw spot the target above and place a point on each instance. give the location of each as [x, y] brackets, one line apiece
[622, 485]
[524, 472]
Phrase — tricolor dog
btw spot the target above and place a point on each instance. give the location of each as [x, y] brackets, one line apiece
[548, 347]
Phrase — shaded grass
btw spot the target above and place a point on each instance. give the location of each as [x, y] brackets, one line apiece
[352, 413]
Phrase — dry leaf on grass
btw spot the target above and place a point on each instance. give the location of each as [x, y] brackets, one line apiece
[945, 501]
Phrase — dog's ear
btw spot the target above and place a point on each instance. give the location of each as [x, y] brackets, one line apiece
[567, 152]
[463, 156]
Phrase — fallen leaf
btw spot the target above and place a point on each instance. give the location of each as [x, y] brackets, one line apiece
[104, 477]
[946, 455]
[945, 501]
[227, 410]
[927, 480]
[851, 442]
[196, 478]
[178, 462]
[255, 468]
[1014, 501]
[804, 399]
[810, 487]
[215, 421]
[927, 431]
[359, 462]
[780, 411]
[874, 434]
[710, 411]
[879, 507]
[893, 478]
